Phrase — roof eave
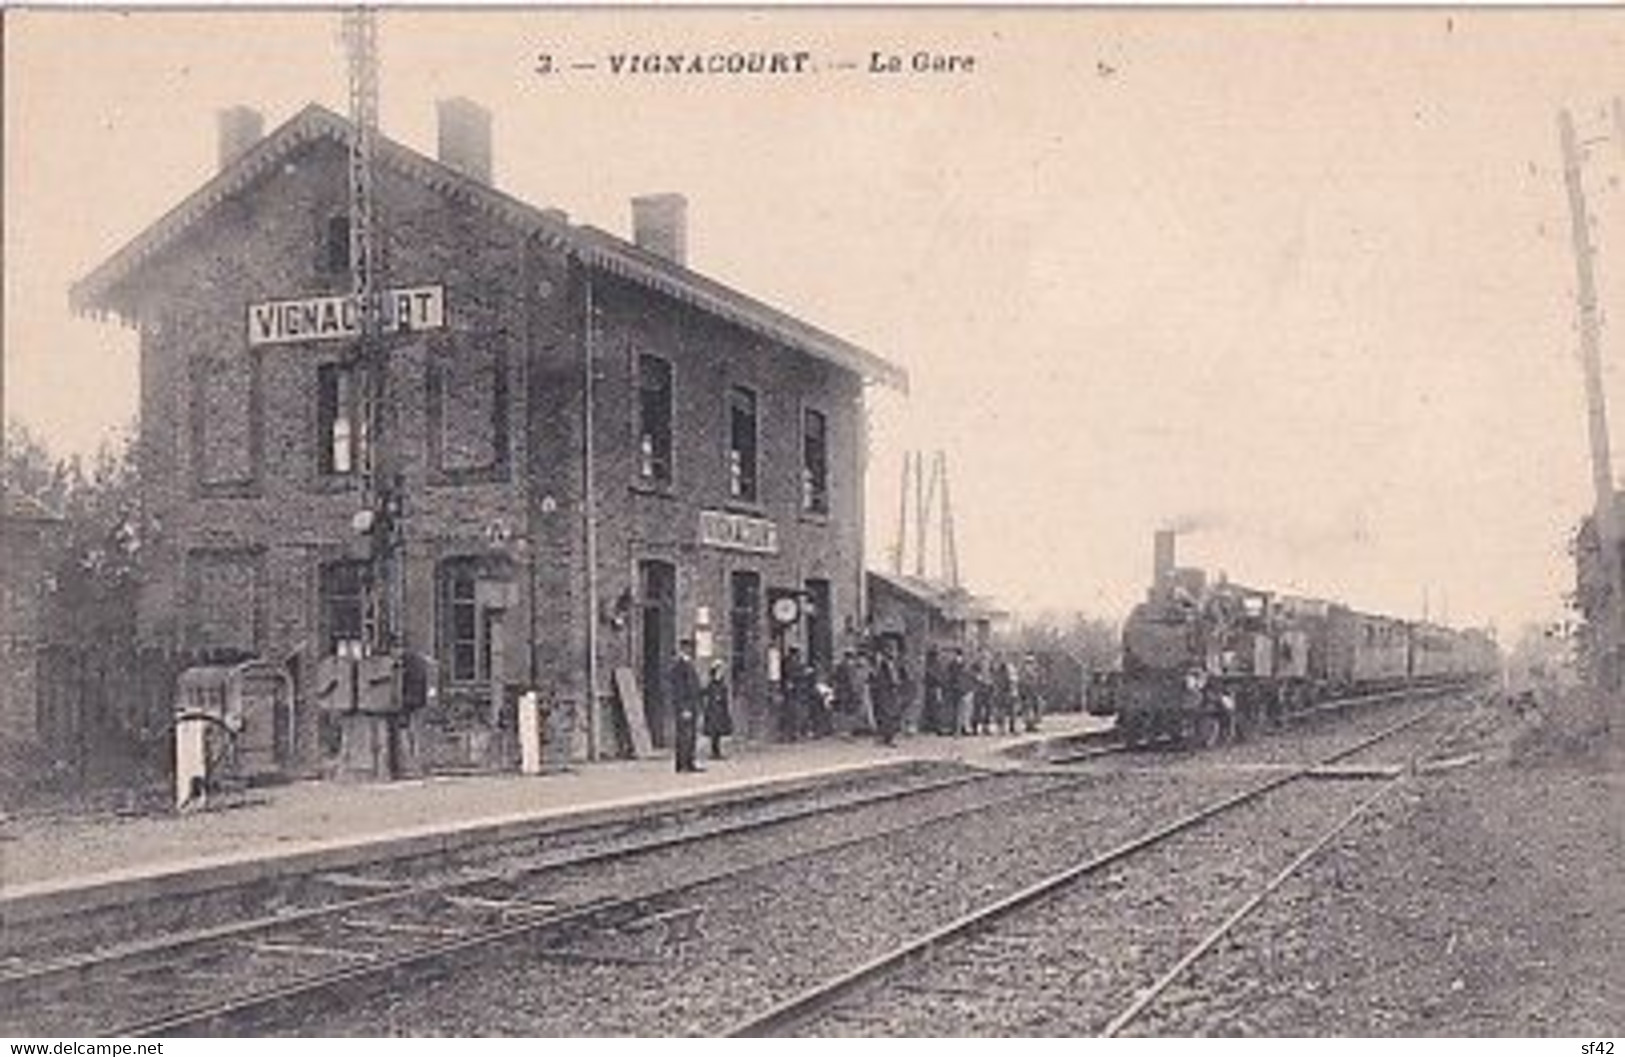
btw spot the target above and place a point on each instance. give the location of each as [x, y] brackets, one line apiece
[604, 251]
[104, 290]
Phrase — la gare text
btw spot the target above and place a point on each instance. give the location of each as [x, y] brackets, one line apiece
[920, 62]
[758, 63]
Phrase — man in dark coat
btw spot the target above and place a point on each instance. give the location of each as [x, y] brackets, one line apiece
[846, 691]
[793, 682]
[959, 693]
[932, 716]
[686, 701]
[1032, 698]
[886, 686]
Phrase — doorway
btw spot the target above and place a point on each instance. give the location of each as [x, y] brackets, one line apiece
[657, 635]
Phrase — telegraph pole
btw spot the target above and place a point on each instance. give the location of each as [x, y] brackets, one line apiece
[926, 490]
[1612, 630]
[950, 552]
[902, 515]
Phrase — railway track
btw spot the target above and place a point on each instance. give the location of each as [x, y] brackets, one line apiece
[197, 979]
[840, 1000]
[267, 971]
[1108, 744]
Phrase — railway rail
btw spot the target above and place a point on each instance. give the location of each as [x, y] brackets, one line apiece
[392, 927]
[825, 999]
[1108, 744]
[393, 935]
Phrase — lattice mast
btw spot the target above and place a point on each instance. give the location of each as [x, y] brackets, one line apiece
[360, 33]
[928, 497]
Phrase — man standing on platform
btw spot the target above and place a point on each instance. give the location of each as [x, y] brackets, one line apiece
[886, 686]
[686, 698]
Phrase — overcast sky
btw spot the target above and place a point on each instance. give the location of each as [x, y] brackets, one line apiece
[1302, 280]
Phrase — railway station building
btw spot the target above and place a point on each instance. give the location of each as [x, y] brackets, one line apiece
[596, 445]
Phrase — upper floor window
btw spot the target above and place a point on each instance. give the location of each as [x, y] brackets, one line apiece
[468, 410]
[742, 444]
[654, 418]
[814, 462]
[333, 255]
[224, 420]
[340, 434]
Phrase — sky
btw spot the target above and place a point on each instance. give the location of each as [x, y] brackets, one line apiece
[1298, 281]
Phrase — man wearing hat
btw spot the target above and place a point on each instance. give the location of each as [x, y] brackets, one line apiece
[686, 700]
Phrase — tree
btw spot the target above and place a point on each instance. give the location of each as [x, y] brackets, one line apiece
[92, 559]
[1092, 641]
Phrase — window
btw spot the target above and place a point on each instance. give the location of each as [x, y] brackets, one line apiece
[334, 255]
[465, 648]
[814, 462]
[654, 419]
[342, 590]
[742, 444]
[223, 420]
[339, 432]
[819, 628]
[468, 397]
[745, 621]
[225, 591]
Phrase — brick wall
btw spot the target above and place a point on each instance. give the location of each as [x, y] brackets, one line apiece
[639, 522]
[487, 425]
[235, 469]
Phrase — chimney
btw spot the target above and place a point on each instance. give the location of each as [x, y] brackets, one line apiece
[465, 137]
[240, 128]
[1162, 558]
[660, 226]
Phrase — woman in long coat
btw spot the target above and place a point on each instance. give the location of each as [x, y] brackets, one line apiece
[718, 718]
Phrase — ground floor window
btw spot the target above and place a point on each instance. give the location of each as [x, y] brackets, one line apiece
[342, 590]
[820, 627]
[466, 626]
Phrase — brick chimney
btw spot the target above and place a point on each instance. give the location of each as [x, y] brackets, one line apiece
[1162, 555]
[240, 128]
[660, 225]
[465, 137]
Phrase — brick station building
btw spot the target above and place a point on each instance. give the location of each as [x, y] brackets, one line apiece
[723, 440]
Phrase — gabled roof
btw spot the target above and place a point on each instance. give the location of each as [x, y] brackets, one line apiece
[619, 257]
[952, 602]
[106, 289]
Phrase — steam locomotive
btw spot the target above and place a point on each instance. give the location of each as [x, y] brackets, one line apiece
[1207, 662]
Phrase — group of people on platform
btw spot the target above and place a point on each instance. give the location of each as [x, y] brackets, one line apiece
[983, 694]
[868, 691]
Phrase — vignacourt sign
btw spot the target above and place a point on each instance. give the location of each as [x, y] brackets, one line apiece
[335, 316]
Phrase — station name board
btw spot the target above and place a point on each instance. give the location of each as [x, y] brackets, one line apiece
[736, 532]
[318, 318]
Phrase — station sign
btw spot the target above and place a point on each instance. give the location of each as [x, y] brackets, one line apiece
[319, 318]
[736, 532]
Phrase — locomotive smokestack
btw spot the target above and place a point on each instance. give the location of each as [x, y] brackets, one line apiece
[1162, 555]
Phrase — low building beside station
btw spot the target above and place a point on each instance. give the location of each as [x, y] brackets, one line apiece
[919, 613]
[597, 447]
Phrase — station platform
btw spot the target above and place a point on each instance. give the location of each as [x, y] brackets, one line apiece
[51, 867]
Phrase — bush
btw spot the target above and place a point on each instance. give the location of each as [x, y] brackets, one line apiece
[1564, 726]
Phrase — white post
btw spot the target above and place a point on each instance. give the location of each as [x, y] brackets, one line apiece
[190, 757]
[530, 732]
